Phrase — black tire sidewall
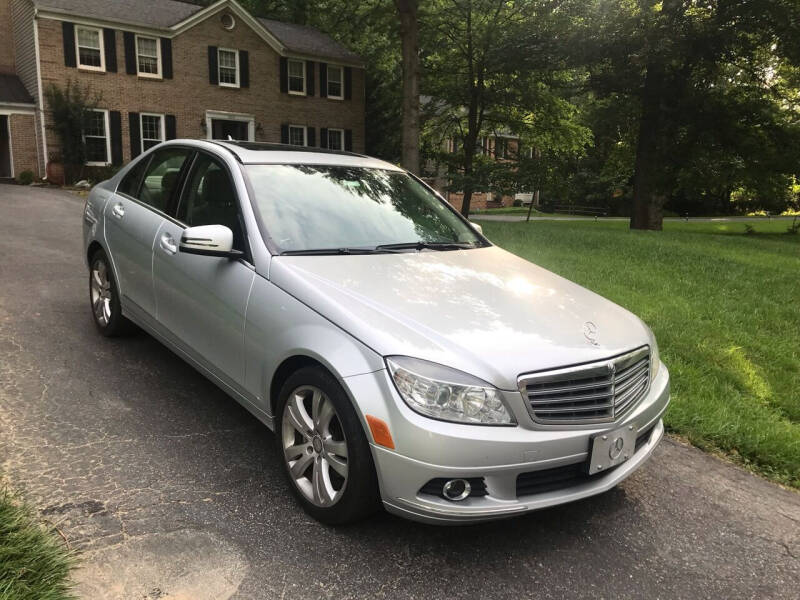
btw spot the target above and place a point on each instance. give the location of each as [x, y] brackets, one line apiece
[117, 324]
[361, 497]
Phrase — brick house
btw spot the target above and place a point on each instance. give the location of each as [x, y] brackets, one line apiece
[165, 69]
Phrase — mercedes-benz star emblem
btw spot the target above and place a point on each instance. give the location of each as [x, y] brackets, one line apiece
[590, 332]
[616, 448]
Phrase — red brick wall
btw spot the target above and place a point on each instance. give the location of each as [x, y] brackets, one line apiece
[6, 38]
[23, 143]
[479, 200]
[189, 94]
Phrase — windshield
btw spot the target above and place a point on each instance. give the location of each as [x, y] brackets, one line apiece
[306, 208]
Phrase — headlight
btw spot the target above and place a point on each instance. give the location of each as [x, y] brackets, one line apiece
[655, 360]
[444, 393]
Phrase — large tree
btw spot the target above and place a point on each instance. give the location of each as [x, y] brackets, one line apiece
[409, 36]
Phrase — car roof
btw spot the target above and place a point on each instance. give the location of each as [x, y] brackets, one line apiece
[266, 153]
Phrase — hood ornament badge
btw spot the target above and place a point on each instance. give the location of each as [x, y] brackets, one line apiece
[590, 332]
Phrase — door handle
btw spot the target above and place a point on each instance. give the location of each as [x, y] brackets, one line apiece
[118, 210]
[168, 244]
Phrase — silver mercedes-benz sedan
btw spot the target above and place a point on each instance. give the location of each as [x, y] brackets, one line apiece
[397, 354]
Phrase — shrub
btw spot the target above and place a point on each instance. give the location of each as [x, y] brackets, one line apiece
[25, 178]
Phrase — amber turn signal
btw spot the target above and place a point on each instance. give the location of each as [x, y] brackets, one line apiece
[380, 432]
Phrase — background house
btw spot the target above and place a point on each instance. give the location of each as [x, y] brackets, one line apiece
[164, 69]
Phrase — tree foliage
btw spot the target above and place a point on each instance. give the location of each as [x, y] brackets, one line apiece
[69, 109]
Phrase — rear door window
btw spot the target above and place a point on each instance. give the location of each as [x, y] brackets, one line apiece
[159, 187]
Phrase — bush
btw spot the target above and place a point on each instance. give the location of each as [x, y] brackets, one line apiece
[25, 178]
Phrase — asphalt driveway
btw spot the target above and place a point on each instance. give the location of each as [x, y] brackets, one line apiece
[170, 490]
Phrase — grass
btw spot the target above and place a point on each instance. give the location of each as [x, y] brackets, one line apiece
[34, 564]
[725, 308]
[508, 210]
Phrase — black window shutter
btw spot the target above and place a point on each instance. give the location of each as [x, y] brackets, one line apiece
[110, 47]
[68, 32]
[170, 127]
[166, 58]
[284, 134]
[348, 140]
[213, 75]
[323, 137]
[115, 120]
[348, 83]
[284, 74]
[311, 136]
[310, 77]
[136, 140]
[244, 68]
[323, 80]
[129, 41]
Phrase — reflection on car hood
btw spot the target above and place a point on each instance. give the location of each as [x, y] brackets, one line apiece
[484, 311]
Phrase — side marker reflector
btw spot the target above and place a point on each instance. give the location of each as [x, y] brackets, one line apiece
[380, 432]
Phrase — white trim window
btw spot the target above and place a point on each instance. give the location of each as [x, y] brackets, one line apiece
[96, 140]
[335, 82]
[148, 56]
[152, 130]
[89, 49]
[335, 139]
[297, 77]
[298, 135]
[228, 67]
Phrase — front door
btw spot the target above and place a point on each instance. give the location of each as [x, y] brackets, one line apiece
[224, 129]
[132, 218]
[5, 148]
[202, 299]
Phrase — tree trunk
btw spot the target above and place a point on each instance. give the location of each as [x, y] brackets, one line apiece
[648, 198]
[409, 35]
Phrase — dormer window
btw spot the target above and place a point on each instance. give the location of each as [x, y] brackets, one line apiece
[228, 61]
[297, 77]
[89, 48]
[148, 56]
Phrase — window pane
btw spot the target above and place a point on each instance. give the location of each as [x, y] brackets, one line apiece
[210, 199]
[148, 65]
[334, 139]
[130, 183]
[89, 38]
[296, 76]
[89, 57]
[161, 177]
[295, 68]
[96, 149]
[95, 123]
[297, 136]
[227, 59]
[227, 75]
[151, 127]
[334, 89]
[227, 66]
[307, 207]
[147, 47]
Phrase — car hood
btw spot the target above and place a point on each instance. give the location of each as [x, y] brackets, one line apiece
[484, 311]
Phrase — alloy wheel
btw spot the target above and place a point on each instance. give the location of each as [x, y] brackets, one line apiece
[314, 446]
[100, 287]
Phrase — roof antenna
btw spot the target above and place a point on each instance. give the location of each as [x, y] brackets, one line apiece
[230, 139]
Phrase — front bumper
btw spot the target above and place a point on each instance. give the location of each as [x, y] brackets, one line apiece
[426, 449]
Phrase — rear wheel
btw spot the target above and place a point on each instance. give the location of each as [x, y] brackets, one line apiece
[104, 298]
[325, 453]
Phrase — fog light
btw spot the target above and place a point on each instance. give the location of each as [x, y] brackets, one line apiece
[456, 489]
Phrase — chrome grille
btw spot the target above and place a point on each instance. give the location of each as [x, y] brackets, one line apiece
[592, 393]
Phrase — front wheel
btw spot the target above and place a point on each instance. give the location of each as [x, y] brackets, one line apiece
[324, 450]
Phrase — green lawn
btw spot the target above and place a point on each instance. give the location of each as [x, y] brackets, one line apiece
[725, 307]
[34, 564]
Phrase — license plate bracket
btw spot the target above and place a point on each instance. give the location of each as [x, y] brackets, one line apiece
[612, 448]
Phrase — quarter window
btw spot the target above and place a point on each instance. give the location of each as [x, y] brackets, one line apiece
[90, 48]
[297, 77]
[148, 56]
[95, 137]
[152, 127]
[228, 61]
[335, 76]
[297, 135]
[335, 139]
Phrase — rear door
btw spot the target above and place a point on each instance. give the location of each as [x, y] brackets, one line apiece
[133, 216]
[202, 300]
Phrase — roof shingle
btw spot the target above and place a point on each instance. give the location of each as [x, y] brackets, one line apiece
[307, 40]
[12, 90]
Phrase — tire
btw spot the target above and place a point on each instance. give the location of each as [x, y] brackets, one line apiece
[104, 298]
[328, 464]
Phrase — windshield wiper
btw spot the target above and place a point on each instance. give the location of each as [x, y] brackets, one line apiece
[420, 245]
[332, 251]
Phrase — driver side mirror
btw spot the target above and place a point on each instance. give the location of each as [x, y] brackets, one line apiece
[476, 227]
[209, 240]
